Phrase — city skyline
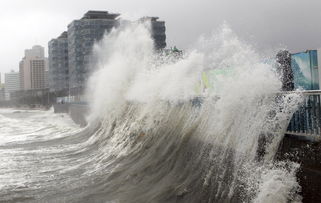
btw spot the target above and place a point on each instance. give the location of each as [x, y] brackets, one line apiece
[169, 101]
[287, 21]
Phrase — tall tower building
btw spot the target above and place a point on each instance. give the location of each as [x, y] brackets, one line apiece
[82, 34]
[158, 31]
[32, 69]
[58, 63]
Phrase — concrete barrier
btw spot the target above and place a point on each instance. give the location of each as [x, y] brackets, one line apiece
[296, 148]
[308, 154]
[61, 108]
[77, 112]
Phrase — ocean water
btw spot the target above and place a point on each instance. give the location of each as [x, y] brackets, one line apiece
[148, 140]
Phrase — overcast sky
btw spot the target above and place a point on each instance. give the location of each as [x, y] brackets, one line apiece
[266, 24]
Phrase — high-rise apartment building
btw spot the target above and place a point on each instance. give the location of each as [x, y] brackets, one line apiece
[158, 31]
[58, 63]
[32, 69]
[82, 34]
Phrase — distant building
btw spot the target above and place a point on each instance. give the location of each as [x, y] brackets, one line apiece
[2, 93]
[47, 78]
[12, 83]
[21, 74]
[58, 63]
[158, 31]
[2, 90]
[82, 34]
[32, 69]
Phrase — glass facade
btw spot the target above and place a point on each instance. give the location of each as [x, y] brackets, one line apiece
[305, 70]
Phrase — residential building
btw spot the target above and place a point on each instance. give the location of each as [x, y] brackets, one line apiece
[2, 92]
[158, 31]
[58, 63]
[46, 77]
[32, 69]
[82, 34]
[12, 83]
[21, 74]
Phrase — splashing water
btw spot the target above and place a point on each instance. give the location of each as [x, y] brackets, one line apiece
[172, 150]
[153, 137]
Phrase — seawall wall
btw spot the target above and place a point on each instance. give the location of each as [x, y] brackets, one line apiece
[77, 112]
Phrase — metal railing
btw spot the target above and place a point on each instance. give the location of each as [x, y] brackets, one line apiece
[306, 121]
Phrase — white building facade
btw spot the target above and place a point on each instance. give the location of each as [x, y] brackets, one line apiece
[32, 69]
[12, 83]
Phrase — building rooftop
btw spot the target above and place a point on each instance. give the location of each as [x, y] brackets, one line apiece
[147, 18]
[100, 15]
[63, 35]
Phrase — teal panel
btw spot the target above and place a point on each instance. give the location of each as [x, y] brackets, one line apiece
[305, 70]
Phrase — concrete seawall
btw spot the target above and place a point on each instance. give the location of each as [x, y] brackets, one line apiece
[61, 108]
[308, 155]
[77, 112]
[305, 151]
